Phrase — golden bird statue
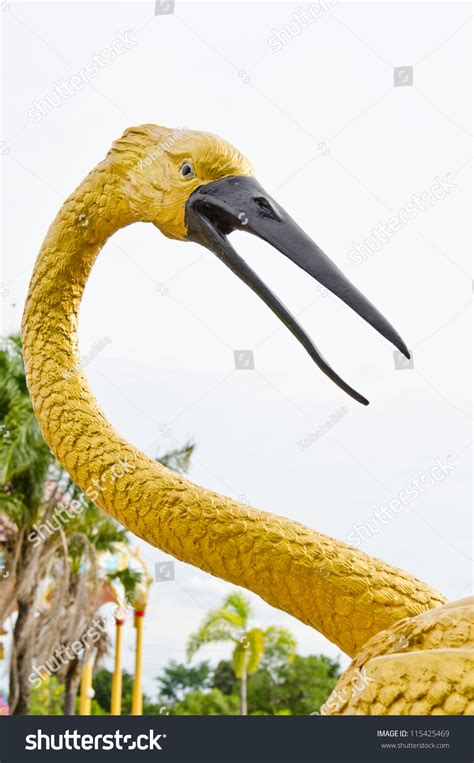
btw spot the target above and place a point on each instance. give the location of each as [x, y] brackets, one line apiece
[412, 652]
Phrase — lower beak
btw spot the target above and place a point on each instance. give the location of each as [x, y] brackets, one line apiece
[239, 203]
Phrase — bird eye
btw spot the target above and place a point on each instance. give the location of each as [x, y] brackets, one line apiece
[186, 170]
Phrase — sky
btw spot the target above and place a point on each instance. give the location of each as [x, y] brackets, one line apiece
[358, 122]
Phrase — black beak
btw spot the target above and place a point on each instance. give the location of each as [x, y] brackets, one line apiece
[239, 203]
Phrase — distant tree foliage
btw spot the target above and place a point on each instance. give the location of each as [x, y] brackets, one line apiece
[52, 537]
[211, 702]
[250, 646]
[178, 460]
[54, 584]
[177, 679]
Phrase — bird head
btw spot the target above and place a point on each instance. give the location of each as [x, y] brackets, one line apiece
[194, 186]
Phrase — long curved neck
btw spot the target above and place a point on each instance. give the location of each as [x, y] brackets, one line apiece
[339, 590]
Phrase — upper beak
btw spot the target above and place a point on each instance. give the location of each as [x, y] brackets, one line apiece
[239, 203]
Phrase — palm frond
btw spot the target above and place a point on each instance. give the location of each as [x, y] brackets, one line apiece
[239, 604]
[254, 643]
[178, 460]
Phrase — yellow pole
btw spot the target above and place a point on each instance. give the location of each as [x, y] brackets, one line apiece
[137, 696]
[140, 601]
[116, 697]
[86, 687]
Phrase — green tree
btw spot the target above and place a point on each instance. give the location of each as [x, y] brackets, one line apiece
[177, 679]
[102, 685]
[47, 698]
[178, 460]
[231, 623]
[299, 687]
[88, 536]
[42, 549]
[224, 678]
[25, 461]
[211, 702]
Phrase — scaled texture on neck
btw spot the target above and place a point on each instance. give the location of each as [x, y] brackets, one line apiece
[339, 590]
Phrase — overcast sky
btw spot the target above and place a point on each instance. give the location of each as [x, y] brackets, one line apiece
[344, 151]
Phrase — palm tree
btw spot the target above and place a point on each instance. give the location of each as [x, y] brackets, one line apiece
[231, 623]
[178, 460]
[25, 461]
[38, 547]
[57, 599]
[89, 588]
[40, 550]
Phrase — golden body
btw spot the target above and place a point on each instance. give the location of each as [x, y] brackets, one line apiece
[342, 592]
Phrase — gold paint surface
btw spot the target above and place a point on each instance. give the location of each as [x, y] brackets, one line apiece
[347, 595]
[423, 665]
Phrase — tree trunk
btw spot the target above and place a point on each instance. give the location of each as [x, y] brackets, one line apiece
[71, 685]
[8, 585]
[243, 692]
[21, 662]
[20, 687]
[7, 598]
